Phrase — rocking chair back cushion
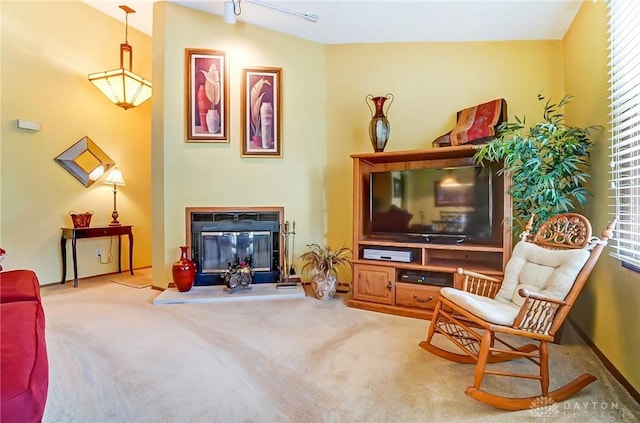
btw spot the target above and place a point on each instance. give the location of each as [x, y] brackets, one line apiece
[540, 270]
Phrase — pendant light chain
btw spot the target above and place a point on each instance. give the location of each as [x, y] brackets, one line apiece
[126, 27]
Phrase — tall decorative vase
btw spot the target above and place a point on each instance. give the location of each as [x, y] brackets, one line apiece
[379, 127]
[203, 105]
[266, 124]
[213, 121]
[184, 271]
[324, 286]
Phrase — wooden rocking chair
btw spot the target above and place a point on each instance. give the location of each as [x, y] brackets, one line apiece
[541, 282]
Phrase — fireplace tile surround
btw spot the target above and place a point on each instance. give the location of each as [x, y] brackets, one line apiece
[217, 235]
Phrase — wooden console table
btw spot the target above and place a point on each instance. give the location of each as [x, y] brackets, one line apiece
[94, 232]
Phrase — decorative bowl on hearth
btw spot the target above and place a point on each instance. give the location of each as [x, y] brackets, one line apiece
[239, 275]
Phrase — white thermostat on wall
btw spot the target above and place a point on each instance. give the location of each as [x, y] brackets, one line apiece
[28, 124]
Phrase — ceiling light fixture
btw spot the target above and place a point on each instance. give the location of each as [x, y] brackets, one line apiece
[232, 10]
[122, 86]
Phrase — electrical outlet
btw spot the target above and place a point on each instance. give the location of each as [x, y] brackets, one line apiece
[98, 253]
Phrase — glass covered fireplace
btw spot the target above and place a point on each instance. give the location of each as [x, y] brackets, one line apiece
[222, 236]
[221, 248]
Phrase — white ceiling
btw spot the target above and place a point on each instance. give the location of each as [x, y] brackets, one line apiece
[374, 21]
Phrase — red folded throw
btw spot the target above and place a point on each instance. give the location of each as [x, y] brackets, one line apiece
[478, 122]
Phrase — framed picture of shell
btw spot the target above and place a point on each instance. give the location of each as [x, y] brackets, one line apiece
[207, 92]
[261, 117]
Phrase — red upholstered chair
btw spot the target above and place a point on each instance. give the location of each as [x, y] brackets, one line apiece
[24, 366]
[475, 125]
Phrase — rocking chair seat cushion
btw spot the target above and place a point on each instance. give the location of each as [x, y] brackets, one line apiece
[485, 308]
[541, 270]
[537, 269]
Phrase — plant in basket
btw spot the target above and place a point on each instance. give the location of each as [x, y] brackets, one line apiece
[325, 262]
[81, 220]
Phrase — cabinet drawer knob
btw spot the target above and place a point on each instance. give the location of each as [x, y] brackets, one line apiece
[389, 286]
[422, 300]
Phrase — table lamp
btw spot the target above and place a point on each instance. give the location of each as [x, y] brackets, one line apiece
[115, 178]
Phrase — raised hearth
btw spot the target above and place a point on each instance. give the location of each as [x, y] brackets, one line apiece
[219, 294]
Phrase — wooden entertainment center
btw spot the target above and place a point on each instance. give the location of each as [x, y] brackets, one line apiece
[407, 281]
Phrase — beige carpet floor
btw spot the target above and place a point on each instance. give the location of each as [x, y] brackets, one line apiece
[115, 357]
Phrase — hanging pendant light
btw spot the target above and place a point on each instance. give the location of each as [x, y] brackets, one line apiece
[123, 87]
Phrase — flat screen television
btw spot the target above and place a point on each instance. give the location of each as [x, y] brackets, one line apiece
[439, 205]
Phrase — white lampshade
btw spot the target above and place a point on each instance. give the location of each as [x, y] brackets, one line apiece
[115, 177]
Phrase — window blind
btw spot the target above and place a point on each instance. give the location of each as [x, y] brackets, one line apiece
[624, 63]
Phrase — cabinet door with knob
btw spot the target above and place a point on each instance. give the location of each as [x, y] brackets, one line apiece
[373, 283]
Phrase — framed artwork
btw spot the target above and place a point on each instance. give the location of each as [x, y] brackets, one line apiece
[397, 186]
[207, 78]
[261, 118]
[455, 195]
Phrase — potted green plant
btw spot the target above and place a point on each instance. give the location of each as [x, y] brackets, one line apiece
[324, 262]
[548, 164]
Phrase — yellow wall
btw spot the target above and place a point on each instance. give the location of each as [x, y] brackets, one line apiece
[45, 63]
[48, 49]
[430, 82]
[208, 174]
[607, 310]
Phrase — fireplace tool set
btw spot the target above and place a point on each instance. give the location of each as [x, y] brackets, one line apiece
[287, 270]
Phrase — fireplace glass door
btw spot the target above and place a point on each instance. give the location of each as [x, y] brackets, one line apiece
[221, 248]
